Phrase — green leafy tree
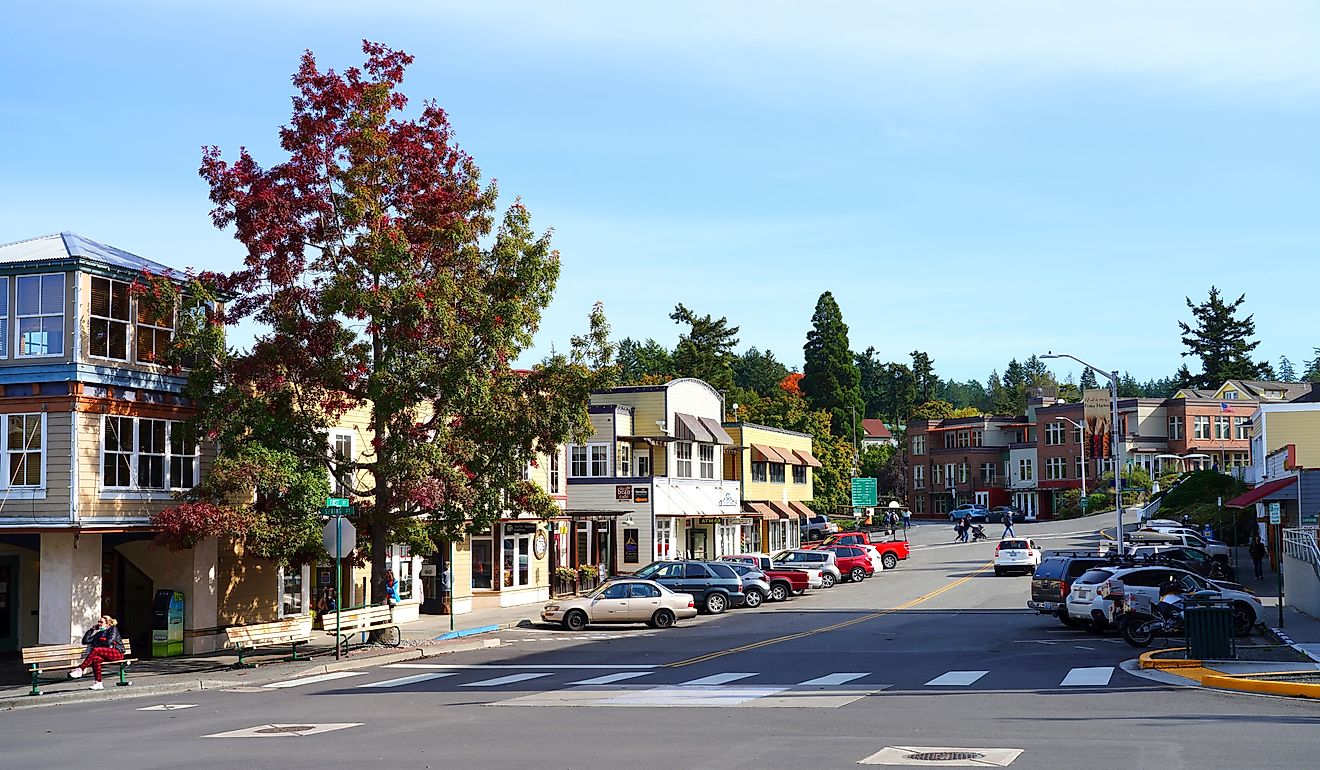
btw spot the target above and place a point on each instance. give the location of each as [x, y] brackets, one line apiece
[385, 284]
[759, 372]
[788, 409]
[926, 382]
[646, 362]
[933, 410]
[705, 350]
[871, 385]
[1312, 373]
[1222, 341]
[831, 381]
[884, 464]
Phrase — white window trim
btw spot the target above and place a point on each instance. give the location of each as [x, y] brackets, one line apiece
[306, 591]
[587, 448]
[130, 333]
[64, 315]
[22, 492]
[136, 492]
[332, 436]
[135, 343]
[4, 316]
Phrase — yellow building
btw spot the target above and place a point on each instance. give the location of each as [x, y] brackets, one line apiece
[773, 468]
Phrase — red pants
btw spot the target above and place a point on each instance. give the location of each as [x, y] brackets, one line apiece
[98, 656]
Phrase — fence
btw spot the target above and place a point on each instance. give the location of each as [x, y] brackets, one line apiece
[1300, 543]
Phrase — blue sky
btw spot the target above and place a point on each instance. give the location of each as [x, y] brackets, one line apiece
[981, 180]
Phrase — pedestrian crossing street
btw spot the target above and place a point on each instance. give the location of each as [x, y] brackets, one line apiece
[652, 686]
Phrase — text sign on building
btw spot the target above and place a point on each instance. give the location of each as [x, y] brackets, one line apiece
[641, 494]
[864, 493]
[623, 493]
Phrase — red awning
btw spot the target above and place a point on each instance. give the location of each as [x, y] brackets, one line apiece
[760, 509]
[807, 458]
[783, 510]
[768, 454]
[802, 509]
[1261, 492]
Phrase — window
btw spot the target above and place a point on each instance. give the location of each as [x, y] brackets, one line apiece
[403, 575]
[1274, 394]
[1080, 471]
[1231, 394]
[1056, 468]
[1242, 428]
[293, 590]
[683, 451]
[1077, 434]
[23, 450]
[707, 461]
[988, 472]
[40, 312]
[936, 475]
[154, 331]
[1175, 428]
[760, 471]
[625, 460]
[600, 460]
[948, 439]
[643, 462]
[963, 440]
[799, 474]
[109, 324]
[918, 477]
[342, 448]
[4, 316]
[978, 437]
[776, 473]
[146, 454]
[948, 474]
[919, 445]
[1201, 427]
[941, 505]
[920, 506]
[1025, 471]
[555, 472]
[1054, 433]
[577, 461]
[1221, 427]
[962, 473]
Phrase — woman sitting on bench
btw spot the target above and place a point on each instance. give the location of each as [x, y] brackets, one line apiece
[106, 646]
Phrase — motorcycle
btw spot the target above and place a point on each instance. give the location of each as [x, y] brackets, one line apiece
[1140, 627]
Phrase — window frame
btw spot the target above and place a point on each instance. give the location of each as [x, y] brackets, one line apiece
[683, 459]
[760, 471]
[554, 480]
[1201, 421]
[18, 317]
[23, 491]
[304, 596]
[918, 477]
[1055, 433]
[707, 465]
[139, 324]
[135, 489]
[110, 320]
[598, 455]
[800, 474]
[338, 487]
[1175, 428]
[777, 474]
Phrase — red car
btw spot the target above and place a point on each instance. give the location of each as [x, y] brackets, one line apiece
[891, 551]
[854, 564]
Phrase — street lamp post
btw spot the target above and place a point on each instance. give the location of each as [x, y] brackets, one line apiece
[1113, 429]
[1081, 432]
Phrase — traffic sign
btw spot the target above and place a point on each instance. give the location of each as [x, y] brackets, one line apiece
[338, 547]
[336, 502]
[1276, 513]
[864, 493]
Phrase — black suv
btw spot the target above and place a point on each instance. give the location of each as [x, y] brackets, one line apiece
[1053, 579]
[714, 587]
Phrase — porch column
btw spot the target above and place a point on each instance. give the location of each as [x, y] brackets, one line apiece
[70, 588]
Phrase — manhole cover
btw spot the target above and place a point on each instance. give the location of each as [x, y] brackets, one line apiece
[276, 729]
[945, 756]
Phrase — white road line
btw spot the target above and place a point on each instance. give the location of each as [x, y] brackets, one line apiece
[314, 679]
[503, 680]
[541, 667]
[612, 678]
[833, 679]
[956, 678]
[1088, 677]
[718, 679]
[401, 681]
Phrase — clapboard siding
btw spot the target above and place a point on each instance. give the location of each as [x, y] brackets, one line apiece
[119, 504]
[56, 456]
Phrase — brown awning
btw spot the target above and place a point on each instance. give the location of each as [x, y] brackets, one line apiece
[807, 458]
[802, 509]
[766, 454]
[651, 440]
[783, 510]
[689, 428]
[713, 427]
[1261, 492]
[761, 509]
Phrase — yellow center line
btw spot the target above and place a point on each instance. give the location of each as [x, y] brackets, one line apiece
[835, 627]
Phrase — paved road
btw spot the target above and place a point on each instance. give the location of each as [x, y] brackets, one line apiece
[938, 653]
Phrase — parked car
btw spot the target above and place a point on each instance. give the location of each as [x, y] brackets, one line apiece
[1191, 559]
[1087, 605]
[823, 560]
[977, 511]
[854, 563]
[1018, 554]
[755, 585]
[622, 601]
[1053, 580]
[891, 551]
[997, 514]
[1178, 536]
[783, 582]
[816, 528]
[715, 586]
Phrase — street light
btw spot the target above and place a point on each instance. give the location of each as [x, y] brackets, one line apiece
[1081, 432]
[1113, 428]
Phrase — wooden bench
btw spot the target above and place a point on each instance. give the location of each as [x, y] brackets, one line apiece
[66, 657]
[291, 631]
[377, 617]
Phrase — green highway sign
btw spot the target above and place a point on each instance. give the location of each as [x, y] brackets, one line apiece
[864, 493]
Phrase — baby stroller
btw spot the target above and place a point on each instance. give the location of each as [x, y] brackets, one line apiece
[978, 533]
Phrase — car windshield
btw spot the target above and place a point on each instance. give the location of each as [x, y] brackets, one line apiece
[1096, 576]
[649, 570]
[1019, 544]
[798, 556]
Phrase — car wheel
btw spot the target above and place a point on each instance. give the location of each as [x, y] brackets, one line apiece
[754, 597]
[1069, 620]
[889, 560]
[814, 535]
[662, 619]
[575, 620]
[778, 592]
[857, 575]
[827, 580]
[717, 603]
[1244, 619]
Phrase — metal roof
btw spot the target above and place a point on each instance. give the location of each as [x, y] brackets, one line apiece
[70, 249]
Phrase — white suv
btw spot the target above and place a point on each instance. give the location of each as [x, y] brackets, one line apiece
[822, 560]
[1017, 553]
[1086, 604]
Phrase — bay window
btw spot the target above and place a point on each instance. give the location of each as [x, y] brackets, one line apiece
[147, 454]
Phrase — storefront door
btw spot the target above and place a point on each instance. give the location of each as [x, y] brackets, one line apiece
[698, 540]
[483, 563]
[517, 560]
[8, 603]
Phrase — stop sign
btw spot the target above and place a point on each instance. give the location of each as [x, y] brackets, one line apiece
[347, 537]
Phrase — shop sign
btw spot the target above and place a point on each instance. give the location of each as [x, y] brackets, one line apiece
[1276, 513]
[521, 528]
[630, 553]
[623, 493]
[427, 570]
[641, 494]
[539, 545]
[710, 520]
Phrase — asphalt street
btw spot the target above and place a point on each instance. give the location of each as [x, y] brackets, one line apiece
[939, 653]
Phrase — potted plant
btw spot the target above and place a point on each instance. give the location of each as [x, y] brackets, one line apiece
[565, 574]
[589, 572]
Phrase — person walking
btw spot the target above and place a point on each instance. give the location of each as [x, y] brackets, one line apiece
[1008, 525]
[907, 519]
[958, 530]
[1257, 551]
[106, 644]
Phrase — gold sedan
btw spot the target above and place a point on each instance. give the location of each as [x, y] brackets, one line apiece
[622, 601]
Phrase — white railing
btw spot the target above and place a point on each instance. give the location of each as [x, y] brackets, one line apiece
[1300, 543]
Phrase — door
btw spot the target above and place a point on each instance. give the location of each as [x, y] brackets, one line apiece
[643, 603]
[697, 541]
[611, 605]
[8, 603]
[695, 580]
[983, 499]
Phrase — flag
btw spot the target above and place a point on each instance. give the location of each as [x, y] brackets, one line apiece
[1224, 407]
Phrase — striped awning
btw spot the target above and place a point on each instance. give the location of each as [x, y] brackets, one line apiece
[768, 454]
[784, 511]
[762, 510]
[807, 458]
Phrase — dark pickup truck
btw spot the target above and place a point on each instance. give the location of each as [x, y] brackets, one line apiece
[783, 582]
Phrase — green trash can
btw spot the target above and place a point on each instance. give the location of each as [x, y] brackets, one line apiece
[1209, 632]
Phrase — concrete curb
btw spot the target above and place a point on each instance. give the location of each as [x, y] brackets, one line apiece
[1148, 661]
[112, 693]
[1283, 638]
[1254, 684]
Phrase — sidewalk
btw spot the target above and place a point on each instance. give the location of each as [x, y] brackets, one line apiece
[1297, 628]
[427, 637]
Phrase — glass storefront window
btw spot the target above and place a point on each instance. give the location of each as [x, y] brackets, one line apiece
[483, 562]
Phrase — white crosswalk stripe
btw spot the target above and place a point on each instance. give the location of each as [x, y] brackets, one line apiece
[314, 679]
[956, 678]
[612, 678]
[503, 680]
[404, 680]
[833, 679]
[715, 679]
[1097, 676]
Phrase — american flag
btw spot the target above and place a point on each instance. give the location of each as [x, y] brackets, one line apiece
[1224, 407]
